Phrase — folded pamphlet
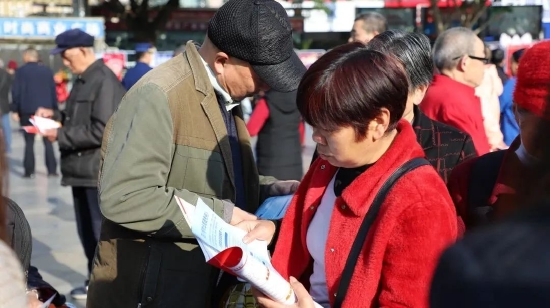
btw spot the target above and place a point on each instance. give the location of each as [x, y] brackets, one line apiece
[40, 125]
[223, 247]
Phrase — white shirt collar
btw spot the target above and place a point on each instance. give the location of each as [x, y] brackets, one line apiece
[229, 104]
[525, 158]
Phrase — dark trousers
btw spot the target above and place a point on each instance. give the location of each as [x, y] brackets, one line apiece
[88, 219]
[28, 158]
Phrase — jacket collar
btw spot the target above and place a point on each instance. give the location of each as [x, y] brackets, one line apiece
[424, 129]
[360, 193]
[210, 106]
[90, 70]
[447, 82]
[202, 82]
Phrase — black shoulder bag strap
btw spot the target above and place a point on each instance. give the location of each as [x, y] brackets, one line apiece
[483, 177]
[366, 224]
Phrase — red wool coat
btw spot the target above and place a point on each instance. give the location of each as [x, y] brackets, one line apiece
[415, 223]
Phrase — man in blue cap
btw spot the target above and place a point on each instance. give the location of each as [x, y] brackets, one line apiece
[144, 56]
[94, 97]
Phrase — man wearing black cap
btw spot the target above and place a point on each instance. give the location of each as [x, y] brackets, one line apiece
[94, 97]
[179, 132]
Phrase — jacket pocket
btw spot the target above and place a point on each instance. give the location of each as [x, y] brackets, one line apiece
[81, 164]
[199, 171]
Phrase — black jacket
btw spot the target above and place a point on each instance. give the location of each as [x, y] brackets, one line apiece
[94, 98]
[33, 87]
[504, 265]
[278, 150]
[445, 146]
[5, 86]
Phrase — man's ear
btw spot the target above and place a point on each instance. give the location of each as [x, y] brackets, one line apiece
[220, 60]
[462, 63]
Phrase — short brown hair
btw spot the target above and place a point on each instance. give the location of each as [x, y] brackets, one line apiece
[373, 22]
[348, 86]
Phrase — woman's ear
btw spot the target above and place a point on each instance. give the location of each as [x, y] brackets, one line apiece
[419, 94]
[381, 123]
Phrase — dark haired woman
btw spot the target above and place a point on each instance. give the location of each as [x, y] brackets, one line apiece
[354, 99]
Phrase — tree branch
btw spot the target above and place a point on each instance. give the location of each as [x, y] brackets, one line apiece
[134, 6]
[481, 11]
[438, 18]
[164, 14]
[114, 6]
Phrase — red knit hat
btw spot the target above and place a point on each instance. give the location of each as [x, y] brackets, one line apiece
[12, 65]
[533, 80]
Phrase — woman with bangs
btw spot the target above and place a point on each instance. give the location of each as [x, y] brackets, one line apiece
[354, 99]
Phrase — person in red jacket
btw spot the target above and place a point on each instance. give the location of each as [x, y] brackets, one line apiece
[459, 56]
[493, 186]
[362, 141]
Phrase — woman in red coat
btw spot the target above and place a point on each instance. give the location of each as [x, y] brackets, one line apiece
[354, 99]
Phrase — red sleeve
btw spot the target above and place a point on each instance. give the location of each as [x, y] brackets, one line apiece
[258, 118]
[458, 189]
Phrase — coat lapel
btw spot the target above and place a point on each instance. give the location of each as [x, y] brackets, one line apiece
[250, 171]
[210, 106]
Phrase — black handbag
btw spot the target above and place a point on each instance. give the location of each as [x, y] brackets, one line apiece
[366, 224]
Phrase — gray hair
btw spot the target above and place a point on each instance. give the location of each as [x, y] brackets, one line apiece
[373, 22]
[412, 49]
[31, 53]
[451, 44]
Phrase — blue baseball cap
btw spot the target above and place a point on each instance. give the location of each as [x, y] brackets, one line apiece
[71, 39]
[144, 47]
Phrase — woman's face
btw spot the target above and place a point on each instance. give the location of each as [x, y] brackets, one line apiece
[342, 148]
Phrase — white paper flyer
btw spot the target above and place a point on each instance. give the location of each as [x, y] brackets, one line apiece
[223, 247]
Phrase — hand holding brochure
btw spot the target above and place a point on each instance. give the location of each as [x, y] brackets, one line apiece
[40, 125]
[223, 247]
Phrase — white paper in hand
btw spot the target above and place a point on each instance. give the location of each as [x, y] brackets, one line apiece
[223, 247]
[48, 302]
[44, 124]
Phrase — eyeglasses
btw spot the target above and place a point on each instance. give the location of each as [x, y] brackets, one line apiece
[484, 60]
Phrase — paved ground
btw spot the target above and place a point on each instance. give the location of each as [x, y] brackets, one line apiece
[48, 206]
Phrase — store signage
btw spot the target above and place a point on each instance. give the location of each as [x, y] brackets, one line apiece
[48, 28]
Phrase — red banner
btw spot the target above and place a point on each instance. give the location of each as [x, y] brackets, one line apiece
[116, 62]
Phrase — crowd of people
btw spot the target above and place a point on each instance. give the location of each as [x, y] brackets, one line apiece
[417, 147]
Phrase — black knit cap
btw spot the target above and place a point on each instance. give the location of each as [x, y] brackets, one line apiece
[259, 32]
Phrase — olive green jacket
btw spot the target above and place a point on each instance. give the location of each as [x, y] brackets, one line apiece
[166, 139]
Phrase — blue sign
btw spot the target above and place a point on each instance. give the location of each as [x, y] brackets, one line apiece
[48, 28]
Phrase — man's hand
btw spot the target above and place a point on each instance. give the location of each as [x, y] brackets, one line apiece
[15, 117]
[44, 112]
[50, 134]
[304, 299]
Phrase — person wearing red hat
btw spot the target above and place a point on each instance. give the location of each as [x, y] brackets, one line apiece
[12, 66]
[493, 186]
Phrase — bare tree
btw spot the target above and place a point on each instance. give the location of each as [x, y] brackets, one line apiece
[470, 14]
[138, 20]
